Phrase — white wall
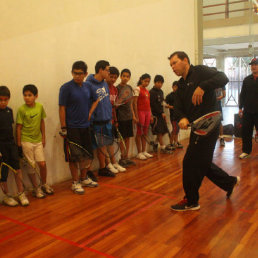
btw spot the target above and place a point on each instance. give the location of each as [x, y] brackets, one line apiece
[40, 40]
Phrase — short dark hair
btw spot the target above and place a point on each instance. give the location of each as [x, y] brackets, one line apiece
[80, 65]
[175, 83]
[101, 64]
[4, 91]
[181, 55]
[30, 87]
[113, 70]
[143, 77]
[126, 70]
[159, 78]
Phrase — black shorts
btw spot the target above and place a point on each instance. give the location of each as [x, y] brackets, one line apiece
[10, 156]
[126, 128]
[159, 126]
[82, 137]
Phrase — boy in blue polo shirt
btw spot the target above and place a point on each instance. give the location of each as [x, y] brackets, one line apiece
[101, 115]
[74, 106]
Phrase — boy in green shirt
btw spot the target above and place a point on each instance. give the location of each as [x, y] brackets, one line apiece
[31, 137]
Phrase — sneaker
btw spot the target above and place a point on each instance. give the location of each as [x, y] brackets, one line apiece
[106, 172]
[77, 188]
[123, 163]
[231, 190]
[89, 182]
[166, 151]
[182, 206]
[179, 145]
[39, 193]
[141, 156]
[119, 168]
[170, 147]
[222, 142]
[112, 169]
[47, 189]
[23, 199]
[243, 155]
[147, 155]
[91, 175]
[10, 201]
[130, 162]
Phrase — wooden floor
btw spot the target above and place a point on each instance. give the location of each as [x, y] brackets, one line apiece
[130, 216]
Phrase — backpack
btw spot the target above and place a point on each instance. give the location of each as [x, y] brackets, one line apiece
[228, 129]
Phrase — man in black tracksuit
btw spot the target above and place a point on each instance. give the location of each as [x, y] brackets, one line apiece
[195, 98]
[248, 100]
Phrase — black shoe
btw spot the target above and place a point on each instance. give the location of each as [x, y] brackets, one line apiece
[130, 162]
[106, 172]
[123, 163]
[231, 190]
[91, 175]
[222, 142]
[179, 145]
[183, 206]
[170, 147]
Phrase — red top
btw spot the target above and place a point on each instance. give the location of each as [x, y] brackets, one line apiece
[143, 103]
[113, 95]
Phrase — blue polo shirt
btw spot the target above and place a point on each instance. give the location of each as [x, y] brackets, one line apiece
[76, 100]
[99, 90]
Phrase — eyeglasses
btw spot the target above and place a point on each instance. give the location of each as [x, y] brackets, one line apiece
[78, 73]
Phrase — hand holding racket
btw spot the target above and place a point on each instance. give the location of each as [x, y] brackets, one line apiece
[206, 124]
[75, 152]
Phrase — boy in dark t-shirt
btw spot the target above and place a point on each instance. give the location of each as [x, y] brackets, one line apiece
[170, 100]
[9, 151]
[125, 117]
[159, 127]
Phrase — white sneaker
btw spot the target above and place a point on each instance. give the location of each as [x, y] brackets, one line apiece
[23, 199]
[141, 156]
[112, 169]
[89, 182]
[147, 155]
[39, 193]
[119, 168]
[243, 155]
[47, 189]
[10, 201]
[77, 188]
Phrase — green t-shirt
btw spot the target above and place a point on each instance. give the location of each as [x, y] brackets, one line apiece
[30, 119]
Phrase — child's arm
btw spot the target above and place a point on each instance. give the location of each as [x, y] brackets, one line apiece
[93, 107]
[134, 104]
[62, 116]
[18, 134]
[135, 118]
[42, 129]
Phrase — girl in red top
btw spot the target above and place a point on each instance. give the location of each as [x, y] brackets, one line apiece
[143, 115]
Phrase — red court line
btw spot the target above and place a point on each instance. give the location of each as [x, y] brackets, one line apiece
[247, 211]
[54, 236]
[136, 190]
[13, 235]
[121, 222]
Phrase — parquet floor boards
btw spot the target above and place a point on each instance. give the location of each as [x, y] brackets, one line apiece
[130, 216]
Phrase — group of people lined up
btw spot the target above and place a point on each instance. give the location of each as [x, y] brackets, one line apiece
[86, 106]
[83, 104]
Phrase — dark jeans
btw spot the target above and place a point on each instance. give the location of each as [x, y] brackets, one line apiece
[249, 120]
[197, 163]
